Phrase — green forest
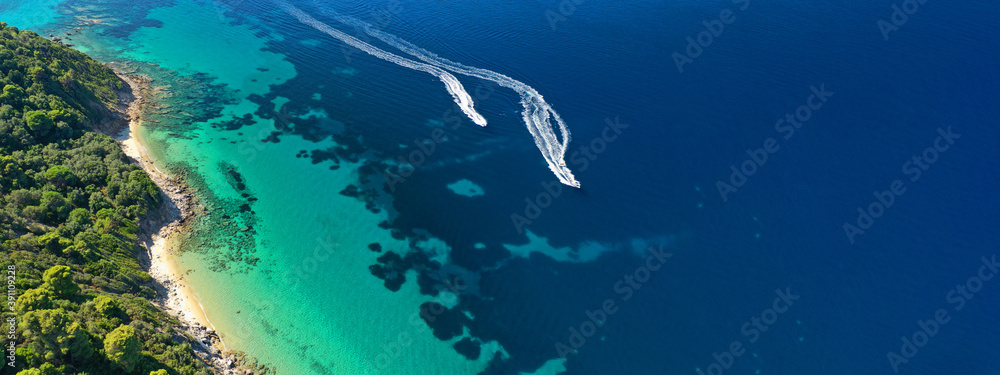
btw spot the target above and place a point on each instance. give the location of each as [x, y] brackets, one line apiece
[70, 201]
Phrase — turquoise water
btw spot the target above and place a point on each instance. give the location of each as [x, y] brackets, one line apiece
[334, 318]
[308, 305]
[30, 14]
[349, 199]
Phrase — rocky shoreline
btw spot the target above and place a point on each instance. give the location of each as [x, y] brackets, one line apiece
[158, 227]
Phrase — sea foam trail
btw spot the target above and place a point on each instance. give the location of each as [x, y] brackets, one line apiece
[455, 88]
[537, 113]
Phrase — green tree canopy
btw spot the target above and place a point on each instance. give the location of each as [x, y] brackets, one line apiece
[12, 93]
[39, 123]
[61, 280]
[60, 175]
[70, 196]
[107, 307]
[54, 335]
[80, 215]
[53, 207]
[122, 347]
[44, 369]
[35, 299]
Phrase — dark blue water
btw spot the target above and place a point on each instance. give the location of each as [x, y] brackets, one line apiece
[758, 277]
[658, 180]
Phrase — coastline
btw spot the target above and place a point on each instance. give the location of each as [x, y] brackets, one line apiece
[169, 220]
[160, 228]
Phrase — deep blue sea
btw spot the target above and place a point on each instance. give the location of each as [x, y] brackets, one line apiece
[776, 187]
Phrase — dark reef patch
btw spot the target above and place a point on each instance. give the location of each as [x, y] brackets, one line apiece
[126, 22]
[236, 123]
[273, 137]
[235, 178]
[469, 347]
[446, 323]
[503, 292]
[224, 231]
[391, 267]
[370, 196]
[319, 156]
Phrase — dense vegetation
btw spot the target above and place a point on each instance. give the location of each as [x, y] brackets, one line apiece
[69, 205]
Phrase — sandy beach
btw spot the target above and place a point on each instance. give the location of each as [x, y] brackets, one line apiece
[160, 228]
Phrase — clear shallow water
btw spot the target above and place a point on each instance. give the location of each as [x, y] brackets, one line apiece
[307, 307]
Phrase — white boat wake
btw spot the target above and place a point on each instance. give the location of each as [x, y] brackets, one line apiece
[537, 113]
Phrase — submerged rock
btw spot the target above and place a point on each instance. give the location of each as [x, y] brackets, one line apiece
[468, 347]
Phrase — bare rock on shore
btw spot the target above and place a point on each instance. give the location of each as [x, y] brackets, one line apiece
[156, 228]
